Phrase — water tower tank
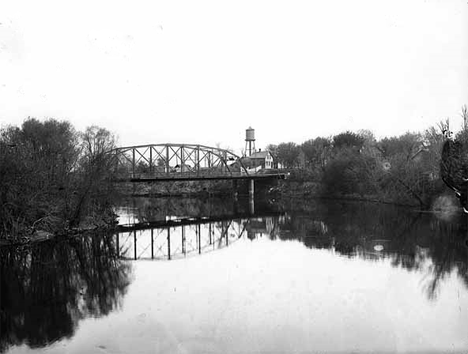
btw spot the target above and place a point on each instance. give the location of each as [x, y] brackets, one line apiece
[249, 141]
[250, 134]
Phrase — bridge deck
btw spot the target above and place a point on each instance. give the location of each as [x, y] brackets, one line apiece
[203, 178]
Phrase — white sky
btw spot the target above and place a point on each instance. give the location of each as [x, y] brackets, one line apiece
[204, 71]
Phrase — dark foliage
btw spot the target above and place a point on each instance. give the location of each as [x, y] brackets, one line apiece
[348, 140]
[49, 174]
[46, 288]
[454, 169]
[403, 169]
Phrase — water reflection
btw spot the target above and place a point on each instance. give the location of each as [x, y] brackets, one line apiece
[165, 229]
[346, 270]
[48, 287]
[169, 229]
[410, 239]
[152, 210]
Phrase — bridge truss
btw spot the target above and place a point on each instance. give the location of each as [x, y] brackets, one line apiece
[179, 241]
[177, 161]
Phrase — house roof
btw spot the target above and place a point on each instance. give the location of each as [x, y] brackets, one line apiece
[260, 155]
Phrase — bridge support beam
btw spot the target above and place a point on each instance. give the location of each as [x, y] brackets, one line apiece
[134, 245]
[235, 190]
[169, 243]
[251, 188]
[252, 196]
[133, 163]
[252, 206]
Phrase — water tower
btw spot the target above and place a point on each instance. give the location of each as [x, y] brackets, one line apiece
[249, 141]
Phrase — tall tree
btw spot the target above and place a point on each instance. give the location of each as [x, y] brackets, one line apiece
[454, 161]
[95, 165]
[348, 139]
[404, 146]
[316, 152]
[288, 154]
[36, 186]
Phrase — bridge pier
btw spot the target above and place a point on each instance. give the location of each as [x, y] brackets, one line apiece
[235, 189]
[252, 206]
[252, 196]
[251, 188]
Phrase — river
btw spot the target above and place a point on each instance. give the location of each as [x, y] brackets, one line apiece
[217, 276]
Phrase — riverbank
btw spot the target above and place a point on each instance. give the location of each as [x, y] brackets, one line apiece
[298, 189]
[292, 192]
[295, 197]
[200, 189]
[42, 235]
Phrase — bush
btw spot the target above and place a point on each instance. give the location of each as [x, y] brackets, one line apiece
[47, 176]
[349, 173]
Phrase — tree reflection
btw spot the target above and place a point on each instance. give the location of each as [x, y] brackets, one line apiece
[46, 288]
[411, 240]
[146, 210]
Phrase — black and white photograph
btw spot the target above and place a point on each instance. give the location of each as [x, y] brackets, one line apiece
[234, 177]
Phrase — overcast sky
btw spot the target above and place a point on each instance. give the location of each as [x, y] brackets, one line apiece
[204, 71]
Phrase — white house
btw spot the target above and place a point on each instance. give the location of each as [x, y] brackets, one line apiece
[261, 158]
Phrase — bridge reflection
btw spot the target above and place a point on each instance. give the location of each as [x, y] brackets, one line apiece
[182, 237]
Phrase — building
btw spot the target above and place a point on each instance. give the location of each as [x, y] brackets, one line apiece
[263, 159]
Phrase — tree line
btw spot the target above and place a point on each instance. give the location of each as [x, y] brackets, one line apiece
[54, 178]
[401, 169]
[51, 175]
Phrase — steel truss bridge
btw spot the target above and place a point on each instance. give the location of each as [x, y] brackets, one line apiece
[181, 162]
[180, 238]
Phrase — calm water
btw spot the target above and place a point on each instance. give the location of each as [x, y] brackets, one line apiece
[208, 276]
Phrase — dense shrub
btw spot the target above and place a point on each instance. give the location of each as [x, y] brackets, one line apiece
[402, 169]
[349, 173]
[48, 173]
